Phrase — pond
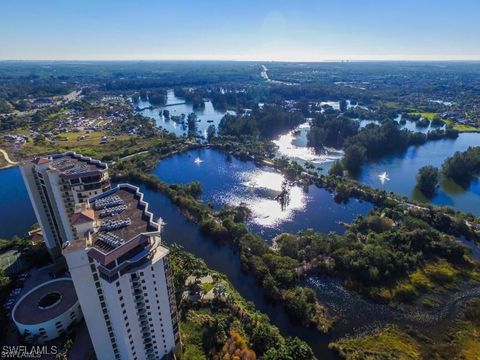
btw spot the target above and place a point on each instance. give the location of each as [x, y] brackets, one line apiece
[228, 181]
[401, 168]
[294, 145]
[407, 125]
[176, 106]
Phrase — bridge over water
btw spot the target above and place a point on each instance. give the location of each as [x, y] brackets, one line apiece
[151, 107]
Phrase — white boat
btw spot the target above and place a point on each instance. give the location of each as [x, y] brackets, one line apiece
[198, 161]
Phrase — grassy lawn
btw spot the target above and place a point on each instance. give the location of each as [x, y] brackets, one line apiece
[388, 343]
[426, 115]
[461, 127]
[88, 143]
[393, 343]
[207, 287]
[433, 277]
[468, 340]
[457, 126]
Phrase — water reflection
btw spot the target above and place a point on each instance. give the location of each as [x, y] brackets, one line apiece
[403, 169]
[383, 177]
[404, 125]
[294, 146]
[262, 190]
[276, 204]
[176, 107]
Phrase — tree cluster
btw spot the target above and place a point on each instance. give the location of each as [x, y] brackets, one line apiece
[463, 166]
[266, 123]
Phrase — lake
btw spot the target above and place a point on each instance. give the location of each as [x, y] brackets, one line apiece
[354, 313]
[207, 116]
[16, 212]
[228, 181]
[401, 168]
[408, 125]
[294, 145]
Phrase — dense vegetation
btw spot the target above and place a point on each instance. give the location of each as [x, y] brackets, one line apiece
[427, 180]
[29, 256]
[268, 122]
[227, 327]
[380, 250]
[276, 273]
[462, 341]
[463, 166]
[366, 144]
[331, 131]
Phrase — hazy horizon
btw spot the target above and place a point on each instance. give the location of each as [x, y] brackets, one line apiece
[271, 30]
[473, 60]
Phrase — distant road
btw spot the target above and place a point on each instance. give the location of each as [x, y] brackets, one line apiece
[72, 96]
[264, 75]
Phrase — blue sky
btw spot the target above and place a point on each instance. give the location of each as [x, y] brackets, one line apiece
[298, 30]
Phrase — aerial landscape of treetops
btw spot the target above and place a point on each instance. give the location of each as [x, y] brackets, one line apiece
[225, 326]
[402, 253]
[240, 180]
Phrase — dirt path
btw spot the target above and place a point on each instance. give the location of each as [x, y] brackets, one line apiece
[7, 159]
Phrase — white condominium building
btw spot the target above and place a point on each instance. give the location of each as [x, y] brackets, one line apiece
[55, 184]
[122, 276]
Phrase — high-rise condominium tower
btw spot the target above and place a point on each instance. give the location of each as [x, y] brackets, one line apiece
[122, 276]
[55, 184]
[120, 270]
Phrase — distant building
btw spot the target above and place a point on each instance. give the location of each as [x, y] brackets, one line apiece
[123, 277]
[55, 185]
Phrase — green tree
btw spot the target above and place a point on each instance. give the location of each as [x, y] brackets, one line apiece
[427, 180]
[293, 349]
[354, 157]
[264, 337]
[211, 132]
[299, 349]
[300, 303]
[192, 124]
[336, 169]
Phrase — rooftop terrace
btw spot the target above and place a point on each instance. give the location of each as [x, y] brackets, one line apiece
[71, 164]
[121, 215]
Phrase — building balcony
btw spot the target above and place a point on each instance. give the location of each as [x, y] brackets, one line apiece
[136, 286]
[144, 329]
[139, 304]
[147, 339]
[141, 311]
